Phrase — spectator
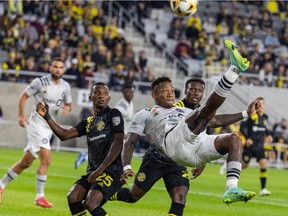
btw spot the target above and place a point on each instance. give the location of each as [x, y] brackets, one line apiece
[74, 70]
[102, 74]
[1, 114]
[117, 79]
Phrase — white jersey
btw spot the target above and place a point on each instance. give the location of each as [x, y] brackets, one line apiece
[127, 111]
[155, 122]
[55, 95]
[170, 133]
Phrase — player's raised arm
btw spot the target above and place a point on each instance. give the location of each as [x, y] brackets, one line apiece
[61, 133]
[127, 153]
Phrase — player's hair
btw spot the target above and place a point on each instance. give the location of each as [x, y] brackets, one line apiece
[159, 80]
[128, 86]
[194, 79]
[95, 84]
[57, 59]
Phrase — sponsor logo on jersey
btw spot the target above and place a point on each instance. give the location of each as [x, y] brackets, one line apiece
[141, 177]
[100, 125]
[97, 137]
[179, 110]
[116, 121]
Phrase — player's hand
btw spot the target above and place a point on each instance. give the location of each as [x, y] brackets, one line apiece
[249, 142]
[93, 176]
[41, 110]
[22, 121]
[197, 171]
[66, 110]
[254, 107]
[125, 176]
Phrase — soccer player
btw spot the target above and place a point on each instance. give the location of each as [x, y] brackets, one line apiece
[255, 131]
[56, 92]
[180, 134]
[156, 164]
[105, 134]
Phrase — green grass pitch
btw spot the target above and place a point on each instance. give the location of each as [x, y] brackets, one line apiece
[204, 198]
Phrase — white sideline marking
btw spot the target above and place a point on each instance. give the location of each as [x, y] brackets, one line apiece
[270, 200]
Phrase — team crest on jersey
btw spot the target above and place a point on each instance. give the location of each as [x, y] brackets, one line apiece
[141, 177]
[45, 141]
[100, 125]
[180, 110]
[155, 111]
[116, 121]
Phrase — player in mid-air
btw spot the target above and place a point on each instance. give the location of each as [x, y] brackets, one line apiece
[56, 92]
[105, 133]
[156, 165]
[180, 133]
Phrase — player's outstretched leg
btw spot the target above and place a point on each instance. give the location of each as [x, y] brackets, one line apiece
[236, 194]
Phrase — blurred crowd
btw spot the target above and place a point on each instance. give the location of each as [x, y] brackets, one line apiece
[260, 29]
[34, 32]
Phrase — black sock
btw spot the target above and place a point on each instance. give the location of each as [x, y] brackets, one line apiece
[125, 195]
[176, 209]
[77, 208]
[99, 212]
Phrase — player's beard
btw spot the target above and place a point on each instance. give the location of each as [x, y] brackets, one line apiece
[56, 76]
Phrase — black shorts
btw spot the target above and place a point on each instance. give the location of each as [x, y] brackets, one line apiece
[248, 152]
[151, 170]
[108, 183]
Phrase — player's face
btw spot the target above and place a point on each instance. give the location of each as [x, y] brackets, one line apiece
[128, 94]
[100, 96]
[262, 107]
[164, 94]
[194, 93]
[57, 69]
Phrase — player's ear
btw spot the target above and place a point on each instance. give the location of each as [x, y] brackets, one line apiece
[153, 94]
[90, 98]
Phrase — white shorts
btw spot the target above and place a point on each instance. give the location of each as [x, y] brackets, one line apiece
[38, 135]
[188, 149]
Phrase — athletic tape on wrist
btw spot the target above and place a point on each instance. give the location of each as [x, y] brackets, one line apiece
[127, 167]
[245, 114]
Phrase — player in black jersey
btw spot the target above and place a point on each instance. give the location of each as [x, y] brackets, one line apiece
[255, 131]
[105, 134]
[156, 165]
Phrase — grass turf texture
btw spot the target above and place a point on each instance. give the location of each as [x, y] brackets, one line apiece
[204, 198]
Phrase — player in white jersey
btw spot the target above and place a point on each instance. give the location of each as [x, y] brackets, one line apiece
[57, 93]
[180, 133]
[126, 106]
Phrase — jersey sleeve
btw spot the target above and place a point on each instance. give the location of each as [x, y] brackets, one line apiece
[138, 123]
[117, 121]
[81, 127]
[34, 87]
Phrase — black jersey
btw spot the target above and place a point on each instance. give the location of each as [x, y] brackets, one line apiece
[100, 130]
[255, 130]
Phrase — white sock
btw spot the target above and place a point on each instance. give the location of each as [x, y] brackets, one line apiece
[8, 177]
[40, 185]
[224, 85]
[233, 174]
[232, 73]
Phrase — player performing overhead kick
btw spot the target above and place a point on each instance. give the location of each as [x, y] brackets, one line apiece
[180, 133]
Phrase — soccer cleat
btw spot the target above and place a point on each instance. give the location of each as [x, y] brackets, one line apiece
[43, 203]
[235, 57]
[82, 157]
[236, 194]
[1, 192]
[265, 192]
